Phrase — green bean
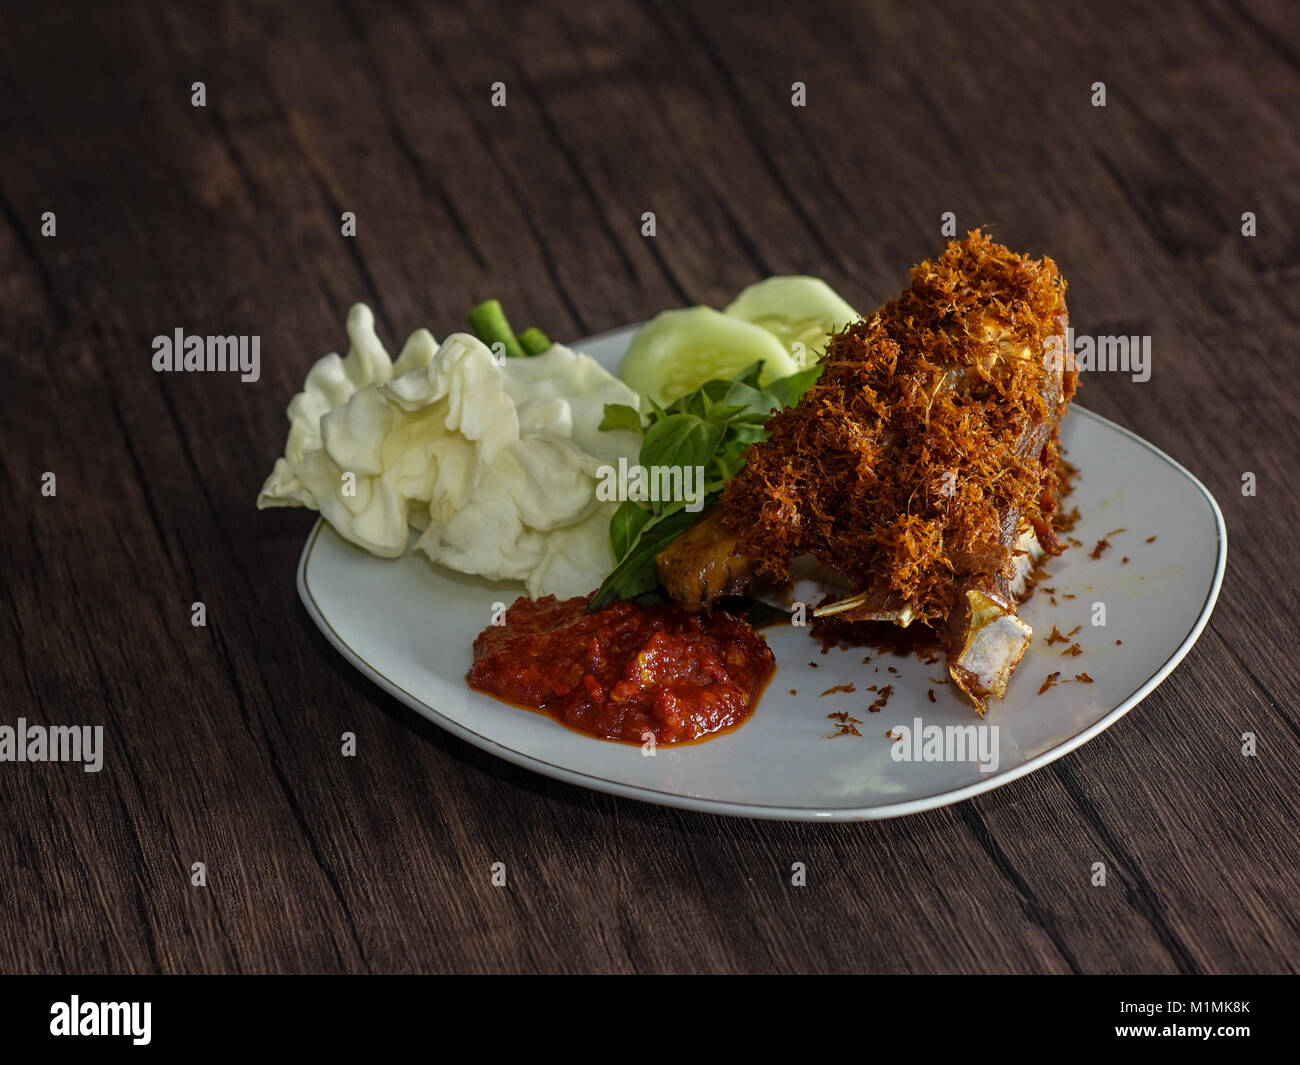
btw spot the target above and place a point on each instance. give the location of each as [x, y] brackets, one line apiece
[489, 323]
[534, 341]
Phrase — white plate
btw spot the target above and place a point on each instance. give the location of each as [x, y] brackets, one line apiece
[409, 626]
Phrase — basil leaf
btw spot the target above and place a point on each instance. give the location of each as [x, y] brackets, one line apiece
[726, 414]
[728, 462]
[621, 416]
[710, 427]
[750, 400]
[747, 433]
[750, 374]
[715, 389]
[702, 400]
[635, 574]
[787, 391]
[625, 526]
[681, 440]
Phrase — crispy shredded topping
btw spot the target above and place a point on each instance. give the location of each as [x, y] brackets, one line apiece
[933, 420]
[839, 688]
[881, 699]
[846, 724]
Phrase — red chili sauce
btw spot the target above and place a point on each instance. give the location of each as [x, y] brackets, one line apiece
[624, 670]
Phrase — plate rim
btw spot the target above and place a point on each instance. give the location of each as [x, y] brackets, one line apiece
[814, 814]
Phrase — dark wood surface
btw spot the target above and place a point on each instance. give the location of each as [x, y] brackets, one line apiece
[223, 742]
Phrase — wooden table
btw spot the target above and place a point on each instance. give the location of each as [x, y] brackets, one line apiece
[223, 741]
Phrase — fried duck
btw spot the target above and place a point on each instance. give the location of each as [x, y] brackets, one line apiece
[923, 466]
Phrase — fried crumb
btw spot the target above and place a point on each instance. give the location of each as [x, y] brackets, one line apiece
[839, 688]
[933, 681]
[929, 692]
[1149, 540]
[881, 700]
[1073, 631]
[892, 670]
[814, 665]
[1049, 682]
[1056, 636]
[1101, 546]
[793, 692]
[1074, 650]
[1118, 643]
[1083, 678]
[847, 724]
[1115, 532]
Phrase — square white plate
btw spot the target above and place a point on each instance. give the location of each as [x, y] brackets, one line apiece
[409, 627]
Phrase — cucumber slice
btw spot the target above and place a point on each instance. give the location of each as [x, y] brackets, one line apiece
[797, 311]
[677, 351]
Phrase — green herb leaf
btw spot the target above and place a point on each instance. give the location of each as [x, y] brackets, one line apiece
[750, 400]
[621, 416]
[635, 573]
[725, 414]
[681, 440]
[787, 391]
[750, 374]
[625, 526]
[710, 427]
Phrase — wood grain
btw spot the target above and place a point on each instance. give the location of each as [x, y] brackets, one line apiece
[225, 219]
